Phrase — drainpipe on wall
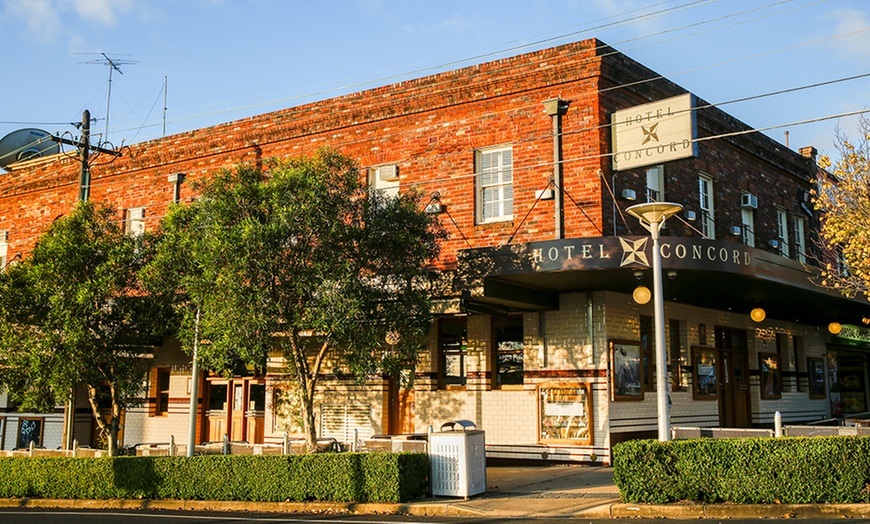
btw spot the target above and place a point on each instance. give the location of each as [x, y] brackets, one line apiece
[555, 108]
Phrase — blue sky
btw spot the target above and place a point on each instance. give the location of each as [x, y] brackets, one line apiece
[230, 59]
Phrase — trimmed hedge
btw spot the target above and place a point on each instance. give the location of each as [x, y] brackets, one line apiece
[800, 470]
[338, 477]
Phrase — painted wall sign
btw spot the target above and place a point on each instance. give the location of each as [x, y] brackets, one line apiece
[654, 133]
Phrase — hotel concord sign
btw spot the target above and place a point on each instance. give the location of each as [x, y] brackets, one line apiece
[618, 253]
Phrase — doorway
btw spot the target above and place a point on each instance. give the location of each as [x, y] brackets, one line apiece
[236, 408]
[734, 402]
[400, 404]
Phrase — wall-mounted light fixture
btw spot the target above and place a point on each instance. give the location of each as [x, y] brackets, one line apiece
[629, 194]
[834, 328]
[690, 215]
[736, 230]
[773, 243]
[757, 314]
[641, 295]
[434, 206]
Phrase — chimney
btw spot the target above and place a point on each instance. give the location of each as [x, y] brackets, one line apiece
[809, 152]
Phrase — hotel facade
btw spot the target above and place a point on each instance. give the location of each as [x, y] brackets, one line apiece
[544, 332]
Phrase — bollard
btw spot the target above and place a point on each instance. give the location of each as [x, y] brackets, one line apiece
[226, 449]
[777, 424]
[75, 448]
[287, 442]
[171, 445]
[355, 440]
[32, 446]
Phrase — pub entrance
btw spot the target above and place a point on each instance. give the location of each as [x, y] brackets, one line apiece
[734, 402]
[236, 408]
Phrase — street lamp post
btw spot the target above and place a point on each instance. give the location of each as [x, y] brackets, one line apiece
[652, 215]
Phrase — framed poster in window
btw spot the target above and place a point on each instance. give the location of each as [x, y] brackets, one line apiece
[771, 379]
[566, 413]
[816, 372]
[29, 430]
[626, 370]
[705, 386]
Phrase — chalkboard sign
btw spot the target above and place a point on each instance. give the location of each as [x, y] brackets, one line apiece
[29, 430]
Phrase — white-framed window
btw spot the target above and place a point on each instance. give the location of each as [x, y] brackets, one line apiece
[705, 196]
[800, 250]
[655, 184]
[134, 221]
[4, 249]
[495, 189]
[748, 229]
[385, 178]
[782, 230]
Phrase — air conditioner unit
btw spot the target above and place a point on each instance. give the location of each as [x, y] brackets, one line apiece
[749, 200]
[388, 173]
[136, 213]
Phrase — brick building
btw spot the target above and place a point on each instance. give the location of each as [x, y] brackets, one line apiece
[530, 162]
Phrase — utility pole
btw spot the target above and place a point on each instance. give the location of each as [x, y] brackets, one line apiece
[84, 146]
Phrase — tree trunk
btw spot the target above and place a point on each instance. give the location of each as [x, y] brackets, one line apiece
[110, 427]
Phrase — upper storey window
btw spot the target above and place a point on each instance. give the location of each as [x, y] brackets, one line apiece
[495, 190]
[385, 178]
[705, 197]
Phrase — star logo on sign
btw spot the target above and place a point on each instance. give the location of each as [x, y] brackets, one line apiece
[633, 252]
[650, 133]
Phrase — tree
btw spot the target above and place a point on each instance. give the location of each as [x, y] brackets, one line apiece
[843, 196]
[300, 258]
[73, 314]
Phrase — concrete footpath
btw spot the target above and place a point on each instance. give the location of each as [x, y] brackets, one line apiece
[547, 491]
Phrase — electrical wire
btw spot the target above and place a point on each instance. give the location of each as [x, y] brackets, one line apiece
[511, 49]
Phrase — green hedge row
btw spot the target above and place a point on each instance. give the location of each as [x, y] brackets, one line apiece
[339, 477]
[749, 471]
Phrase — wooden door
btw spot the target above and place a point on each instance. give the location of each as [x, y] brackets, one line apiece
[237, 411]
[400, 402]
[217, 394]
[734, 402]
[255, 415]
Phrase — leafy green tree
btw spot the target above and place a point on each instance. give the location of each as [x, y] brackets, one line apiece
[300, 258]
[843, 196]
[73, 314]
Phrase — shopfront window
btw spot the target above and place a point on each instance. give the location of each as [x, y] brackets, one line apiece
[566, 413]
[452, 347]
[509, 351]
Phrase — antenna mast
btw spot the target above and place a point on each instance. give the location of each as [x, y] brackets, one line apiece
[114, 65]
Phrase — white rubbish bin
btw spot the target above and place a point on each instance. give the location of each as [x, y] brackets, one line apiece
[458, 459]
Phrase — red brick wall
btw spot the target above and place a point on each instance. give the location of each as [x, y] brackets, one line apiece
[431, 128]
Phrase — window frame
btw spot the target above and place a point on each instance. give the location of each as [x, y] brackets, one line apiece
[707, 206]
[655, 183]
[134, 221]
[503, 185]
[800, 250]
[772, 375]
[511, 322]
[782, 231]
[390, 188]
[456, 345]
[747, 220]
[41, 431]
[161, 395]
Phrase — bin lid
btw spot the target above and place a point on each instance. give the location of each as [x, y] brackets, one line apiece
[458, 425]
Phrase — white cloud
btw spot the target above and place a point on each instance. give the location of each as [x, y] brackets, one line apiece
[849, 21]
[40, 17]
[104, 12]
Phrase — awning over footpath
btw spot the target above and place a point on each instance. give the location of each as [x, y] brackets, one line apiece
[706, 273]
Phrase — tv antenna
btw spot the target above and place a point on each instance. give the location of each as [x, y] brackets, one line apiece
[114, 65]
